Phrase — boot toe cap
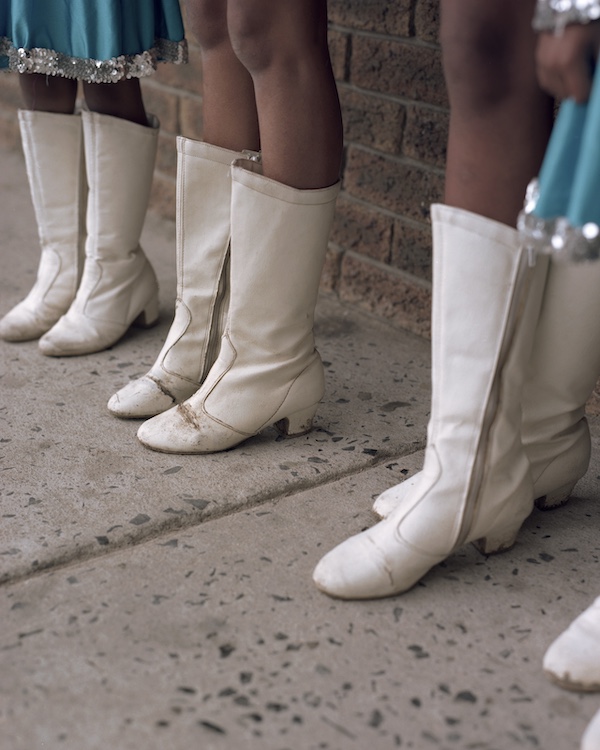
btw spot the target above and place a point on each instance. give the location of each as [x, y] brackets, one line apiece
[141, 399]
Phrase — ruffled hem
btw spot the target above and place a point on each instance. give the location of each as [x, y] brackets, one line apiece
[50, 62]
[556, 236]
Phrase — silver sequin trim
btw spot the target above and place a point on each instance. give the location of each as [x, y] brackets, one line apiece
[554, 15]
[49, 62]
[556, 237]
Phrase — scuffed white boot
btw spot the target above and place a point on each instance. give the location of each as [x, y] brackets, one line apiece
[561, 375]
[268, 371]
[52, 145]
[475, 485]
[591, 736]
[118, 286]
[203, 228]
[573, 659]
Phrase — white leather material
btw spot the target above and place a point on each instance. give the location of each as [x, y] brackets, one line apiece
[573, 659]
[562, 373]
[268, 370]
[591, 736]
[52, 145]
[118, 285]
[203, 228]
[560, 377]
[475, 484]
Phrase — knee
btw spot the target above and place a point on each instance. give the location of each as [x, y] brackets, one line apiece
[207, 21]
[264, 33]
[251, 37]
[479, 62]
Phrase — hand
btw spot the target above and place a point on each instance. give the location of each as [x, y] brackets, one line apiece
[566, 62]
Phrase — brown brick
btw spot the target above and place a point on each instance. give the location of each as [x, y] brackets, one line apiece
[164, 104]
[331, 269]
[10, 136]
[427, 20]
[406, 189]
[372, 120]
[411, 248]
[338, 51]
[10, 90]
[411, 71]
[386, 294]
[190, 108]
[162, 196]
[187, 77]
[426, 134]
[373, 15]
[362, 229]
[166, 158]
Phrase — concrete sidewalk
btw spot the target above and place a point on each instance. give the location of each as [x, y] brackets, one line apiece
[161, 601]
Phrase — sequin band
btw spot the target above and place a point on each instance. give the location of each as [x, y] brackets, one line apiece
[554, 15]
[556, 237]
[49, 62]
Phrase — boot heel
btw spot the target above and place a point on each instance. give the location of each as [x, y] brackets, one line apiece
[497, 541]
[149, 315]
[556, 498]
[297, 424]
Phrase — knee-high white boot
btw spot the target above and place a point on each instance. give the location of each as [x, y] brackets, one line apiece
[591, 736]
[118, 286]
[573, 662]
[573, 659]
[203, 228]
[268, 370]
[561, 375]
[563, 371]
[475, 485]
[52, 145]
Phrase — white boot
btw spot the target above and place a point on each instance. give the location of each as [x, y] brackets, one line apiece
[118, 286]
[268, 370]
[203, 228]
[475, 485]
[52, 145]
[561, 375]
[591, 736]
[573, 659]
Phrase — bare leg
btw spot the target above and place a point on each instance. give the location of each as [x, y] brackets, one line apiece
[284, 47]
[48, 93]
[122, 99]
[500, 120]
[229, 108]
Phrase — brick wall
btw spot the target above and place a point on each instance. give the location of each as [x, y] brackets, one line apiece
[387, 64]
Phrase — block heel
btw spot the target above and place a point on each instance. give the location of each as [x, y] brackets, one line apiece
[298, 423]
[555, 498]
[149, 315]
[497, 540]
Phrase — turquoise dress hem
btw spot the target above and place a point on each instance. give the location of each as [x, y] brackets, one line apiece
[97, 41]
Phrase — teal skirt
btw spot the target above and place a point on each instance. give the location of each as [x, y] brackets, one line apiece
[98, 41]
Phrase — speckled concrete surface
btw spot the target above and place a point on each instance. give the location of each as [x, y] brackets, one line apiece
[153, 601]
